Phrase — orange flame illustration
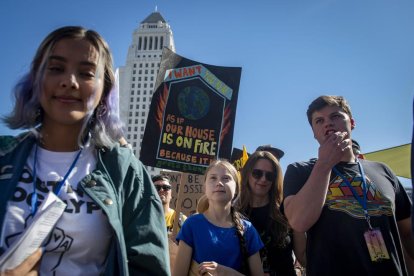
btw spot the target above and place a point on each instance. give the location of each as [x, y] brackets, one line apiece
[162, 102]
[226, 124]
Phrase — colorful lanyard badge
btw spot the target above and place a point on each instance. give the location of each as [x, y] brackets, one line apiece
[57, 189]
[373, 236]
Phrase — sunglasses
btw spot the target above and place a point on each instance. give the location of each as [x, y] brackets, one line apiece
[163, 187]
[257, 174]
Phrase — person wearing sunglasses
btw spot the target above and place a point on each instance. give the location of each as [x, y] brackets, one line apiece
[260, 199]
[163, 186]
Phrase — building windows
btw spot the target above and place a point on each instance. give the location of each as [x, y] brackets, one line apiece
[139, 86]
[145, 43]
[133, 85]
[142, 114]
[146, 71]
[135, 65]
[161, 42]
[146, 65]
[140, 65]
[136, 121]
[152, 71]
[139, 43]
[134, 72]
[145, 86]
[129, 121]
[142, 121]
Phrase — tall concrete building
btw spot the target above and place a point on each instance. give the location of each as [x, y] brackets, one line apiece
[137, 78]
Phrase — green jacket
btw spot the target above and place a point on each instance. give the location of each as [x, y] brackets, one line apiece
[121, 186]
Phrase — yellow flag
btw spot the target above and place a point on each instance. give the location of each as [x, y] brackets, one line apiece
[244, 156]
[397, 158]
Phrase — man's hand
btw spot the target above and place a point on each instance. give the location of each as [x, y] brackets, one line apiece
[336, 146]
[28, 267]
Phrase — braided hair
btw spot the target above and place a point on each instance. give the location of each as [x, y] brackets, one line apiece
[236, 217]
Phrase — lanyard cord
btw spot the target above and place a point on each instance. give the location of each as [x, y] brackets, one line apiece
[364, 200]
[59, 185]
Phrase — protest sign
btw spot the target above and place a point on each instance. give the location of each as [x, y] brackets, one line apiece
[192, 191]
[192, 114]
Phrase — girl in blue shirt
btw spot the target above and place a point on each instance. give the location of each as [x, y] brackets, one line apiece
[217, 240]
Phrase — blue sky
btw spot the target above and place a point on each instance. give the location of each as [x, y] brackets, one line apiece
[290, 52]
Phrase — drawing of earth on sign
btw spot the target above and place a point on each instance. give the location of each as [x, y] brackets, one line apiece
[193, 103]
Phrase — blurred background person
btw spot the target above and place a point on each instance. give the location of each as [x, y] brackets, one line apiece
[163, 186]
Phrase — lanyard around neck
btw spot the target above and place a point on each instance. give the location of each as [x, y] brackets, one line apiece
[59, 185]
[362, 201]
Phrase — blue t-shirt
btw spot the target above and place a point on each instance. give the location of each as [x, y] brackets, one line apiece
[213, 243]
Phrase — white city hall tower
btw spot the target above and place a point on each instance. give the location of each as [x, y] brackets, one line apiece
[137, 78]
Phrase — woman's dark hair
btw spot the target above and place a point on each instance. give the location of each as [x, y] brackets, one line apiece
[278, 225]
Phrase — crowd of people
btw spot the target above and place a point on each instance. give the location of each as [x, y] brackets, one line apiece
[336, 214]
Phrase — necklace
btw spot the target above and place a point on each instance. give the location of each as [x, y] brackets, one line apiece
[59, 185]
